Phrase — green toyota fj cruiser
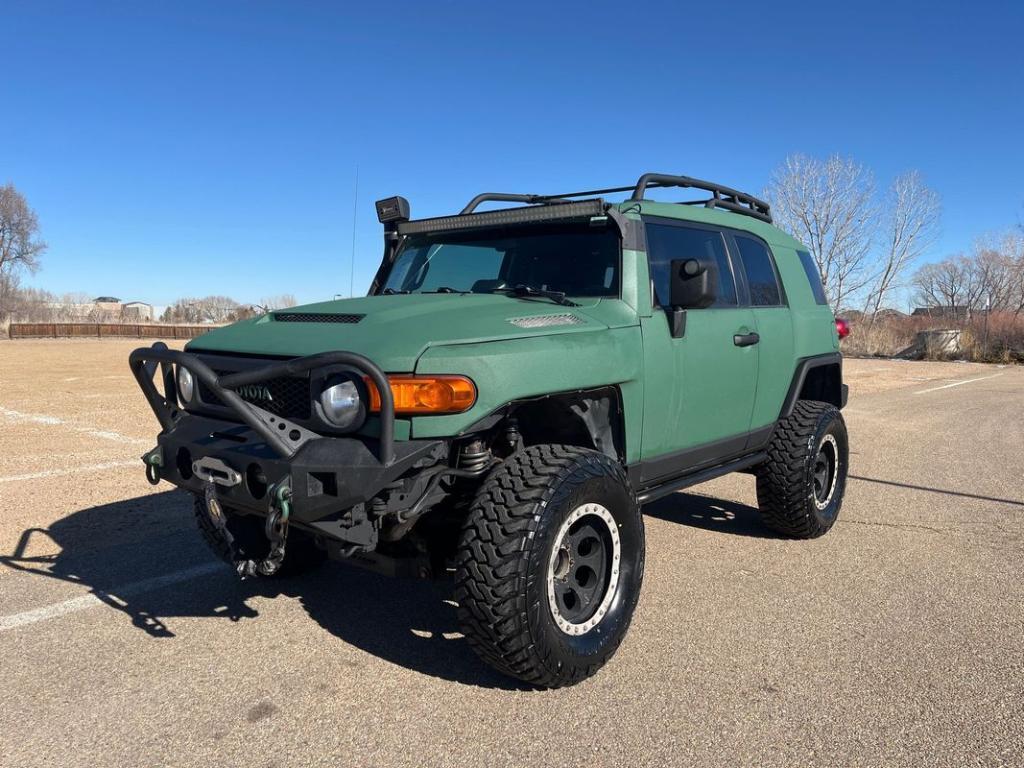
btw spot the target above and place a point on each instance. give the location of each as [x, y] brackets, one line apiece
[517, 383]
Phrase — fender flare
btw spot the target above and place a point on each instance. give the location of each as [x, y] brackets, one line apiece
[803, 367]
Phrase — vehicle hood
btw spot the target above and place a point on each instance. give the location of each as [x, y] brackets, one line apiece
[394, 331]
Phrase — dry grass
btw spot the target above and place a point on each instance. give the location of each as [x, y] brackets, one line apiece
[998, 338]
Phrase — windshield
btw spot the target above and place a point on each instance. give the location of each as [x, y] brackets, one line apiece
[577, 260]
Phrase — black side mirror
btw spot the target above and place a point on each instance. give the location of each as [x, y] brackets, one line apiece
[693, 284]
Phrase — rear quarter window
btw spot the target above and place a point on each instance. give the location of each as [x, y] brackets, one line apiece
[760, 271]
[813, 276]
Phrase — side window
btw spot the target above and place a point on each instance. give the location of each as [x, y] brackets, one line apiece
[666, 242]
[760, 272]
[813, 276]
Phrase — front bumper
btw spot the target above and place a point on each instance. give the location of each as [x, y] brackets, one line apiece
[327, 476]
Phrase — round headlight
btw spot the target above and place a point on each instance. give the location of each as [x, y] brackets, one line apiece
[341, 404]
[186, 385]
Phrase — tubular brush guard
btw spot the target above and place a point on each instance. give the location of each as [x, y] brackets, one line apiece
[286, 442]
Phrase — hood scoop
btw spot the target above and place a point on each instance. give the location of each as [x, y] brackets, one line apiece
[315, 317]
[546, 321]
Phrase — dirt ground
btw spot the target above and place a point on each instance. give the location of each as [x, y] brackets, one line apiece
[866, 376]
[894, 640]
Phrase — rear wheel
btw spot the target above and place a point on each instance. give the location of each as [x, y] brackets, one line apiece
[801, 485]
[550, 564]
[301, 553]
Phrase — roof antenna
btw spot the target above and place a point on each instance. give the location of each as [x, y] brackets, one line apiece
[355, 209]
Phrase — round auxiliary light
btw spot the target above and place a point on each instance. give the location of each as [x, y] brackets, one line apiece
[341, 403]
[186, 385]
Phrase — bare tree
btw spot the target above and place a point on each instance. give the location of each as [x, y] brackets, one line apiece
[209, 309]
[828, 204]
[216, 309]
[910, 224]
[990, 278]
[20, 247]
[948, 283]
[992, 271]
[1001, 265]
[9, 295]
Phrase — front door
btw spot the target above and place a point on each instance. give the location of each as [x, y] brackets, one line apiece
[699, 389]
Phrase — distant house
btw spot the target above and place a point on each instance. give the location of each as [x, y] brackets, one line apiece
[137, 310]
[887, 313]
[106, 309]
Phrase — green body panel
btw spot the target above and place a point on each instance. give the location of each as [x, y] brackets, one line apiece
[676, 393]
[788, 334]
[814, 328]
[776, 362]
[522, 368]
[698, 388]
[398, 329]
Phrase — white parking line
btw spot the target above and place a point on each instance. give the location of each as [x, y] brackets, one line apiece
[69, 471]
[957, 384]
[76, 604]
[53, 421]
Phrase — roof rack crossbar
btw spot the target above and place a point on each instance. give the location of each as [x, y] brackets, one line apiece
[722, 196]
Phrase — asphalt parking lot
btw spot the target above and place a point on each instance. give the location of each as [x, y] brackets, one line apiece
[897, 639]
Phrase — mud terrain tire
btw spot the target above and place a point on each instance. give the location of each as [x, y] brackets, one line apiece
[551, 517]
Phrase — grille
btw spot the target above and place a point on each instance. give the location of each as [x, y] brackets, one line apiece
[288, 396]
[315, 317]
[543, 321]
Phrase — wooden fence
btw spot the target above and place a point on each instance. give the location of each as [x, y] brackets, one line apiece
[105, 330]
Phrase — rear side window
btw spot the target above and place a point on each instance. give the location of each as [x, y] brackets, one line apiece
[813, 276]
[760, 272]
[666, 242]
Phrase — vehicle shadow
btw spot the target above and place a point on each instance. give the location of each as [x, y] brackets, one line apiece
[112, 549]
[710, 514]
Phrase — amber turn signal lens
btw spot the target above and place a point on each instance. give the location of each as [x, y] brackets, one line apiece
[426, 394]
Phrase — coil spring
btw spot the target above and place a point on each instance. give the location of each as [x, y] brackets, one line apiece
[474, 456]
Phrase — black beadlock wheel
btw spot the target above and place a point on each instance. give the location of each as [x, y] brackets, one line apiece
[550, 564]
[301, 553]
[801, 485]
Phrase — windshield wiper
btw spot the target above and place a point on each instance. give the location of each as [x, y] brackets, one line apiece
[529, 291]
[445, 289]
[392, 292]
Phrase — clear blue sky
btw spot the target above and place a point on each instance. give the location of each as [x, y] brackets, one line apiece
[179, 148]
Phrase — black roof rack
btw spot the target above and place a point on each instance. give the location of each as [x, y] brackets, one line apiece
[721, 196]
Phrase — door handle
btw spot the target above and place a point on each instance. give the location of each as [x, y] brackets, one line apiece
[745, 339]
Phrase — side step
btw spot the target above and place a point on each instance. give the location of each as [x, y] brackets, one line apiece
[667, 487]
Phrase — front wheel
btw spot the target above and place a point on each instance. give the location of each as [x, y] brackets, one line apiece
[550, 563]
[800, 487]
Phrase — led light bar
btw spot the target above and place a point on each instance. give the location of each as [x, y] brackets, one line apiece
[525, 215]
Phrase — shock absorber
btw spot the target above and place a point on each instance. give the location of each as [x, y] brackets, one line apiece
[474, 456]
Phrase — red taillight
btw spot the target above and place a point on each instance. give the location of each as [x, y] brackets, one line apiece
[842, 328]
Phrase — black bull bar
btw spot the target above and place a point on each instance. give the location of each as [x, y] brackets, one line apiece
[144, 362]
[327, 474]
